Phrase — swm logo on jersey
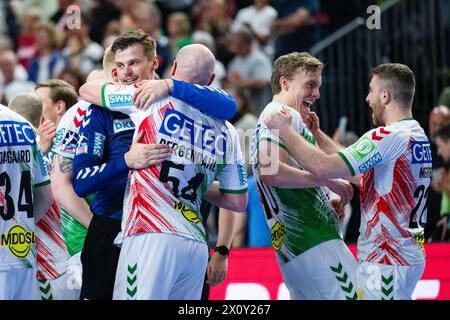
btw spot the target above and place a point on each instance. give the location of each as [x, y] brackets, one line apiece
[123, 125]
[176, 125]
[369, 164]
[421, 152]
[362, 148]
[18, 240]
[13, 133]
[120, 100]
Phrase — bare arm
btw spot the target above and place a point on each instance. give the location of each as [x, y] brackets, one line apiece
[230, 201]
[313, 159]
[43, 199]
[218, 264]
[275, 172]
[92, 92]
[61, 176]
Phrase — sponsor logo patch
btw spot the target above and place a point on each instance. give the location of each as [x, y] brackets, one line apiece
[18, 240]
[177, 126]
[99, 140]
[189, 214]
[362, 148]
[123, 125]
[13, 133]
[278, 231]
[120, 100]
[421, 152]
[369, 164]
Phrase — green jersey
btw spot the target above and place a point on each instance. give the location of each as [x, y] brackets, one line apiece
[299, 219]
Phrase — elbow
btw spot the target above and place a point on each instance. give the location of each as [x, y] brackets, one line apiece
[321, 172]
[239, 203]
[269, 179]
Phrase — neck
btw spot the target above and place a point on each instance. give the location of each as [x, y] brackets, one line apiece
[283, 99]
[398, 113]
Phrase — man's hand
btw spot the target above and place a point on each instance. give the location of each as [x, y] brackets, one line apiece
[150, 91]
[217, 269]
[342, 188]
[313, 122]
[339, 207]
[280, 119]
[47, 132]
[143, 155]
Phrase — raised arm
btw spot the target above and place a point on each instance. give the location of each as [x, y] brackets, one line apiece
[320, 164]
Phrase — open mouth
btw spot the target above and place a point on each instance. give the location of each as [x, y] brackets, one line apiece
[129, 81]
[307, 104]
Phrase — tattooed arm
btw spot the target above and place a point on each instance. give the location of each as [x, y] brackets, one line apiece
[61, 177]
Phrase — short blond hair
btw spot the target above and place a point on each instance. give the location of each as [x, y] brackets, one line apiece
[29, 106]
[289, 64]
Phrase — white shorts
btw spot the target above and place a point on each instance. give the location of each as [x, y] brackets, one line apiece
[156, 266]
[19, 284]
[387, 282]
[324, 272]
[65, 287]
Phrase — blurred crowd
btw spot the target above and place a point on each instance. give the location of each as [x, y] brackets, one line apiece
[65, 39]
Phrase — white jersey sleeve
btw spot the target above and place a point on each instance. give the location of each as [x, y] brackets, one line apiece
[119, 98]
[376, 147]
[233, 177]
[67, 133]
[271, 135]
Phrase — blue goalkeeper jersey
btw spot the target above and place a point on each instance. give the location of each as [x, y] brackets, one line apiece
[105, 136]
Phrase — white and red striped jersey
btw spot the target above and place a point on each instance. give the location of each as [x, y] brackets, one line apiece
[396, 164]
[166, 198]
[52, 255]
[22, 169]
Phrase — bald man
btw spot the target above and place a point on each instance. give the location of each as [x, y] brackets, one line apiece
[164, 251]
[439, 116]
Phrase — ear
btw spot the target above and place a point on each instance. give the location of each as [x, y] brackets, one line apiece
[386, 97]
[284, 83]
[115, 75]
[155, 63]
[174, 69]
[60, 107]
[213, 76]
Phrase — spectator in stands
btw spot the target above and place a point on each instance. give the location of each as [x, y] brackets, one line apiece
[295, 28]
[49, 60]
[258, 19]
[73, 77]
[250, 69]
[216, 20]
[203, 37]
[442, 140]
[148, 18]
[439, 116]
[444, 97]
[12, 77]
[27, 38]
[179, 31]
[81, 52]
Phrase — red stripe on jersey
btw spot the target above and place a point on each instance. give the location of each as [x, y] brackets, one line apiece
[45, 261]
[50, 224]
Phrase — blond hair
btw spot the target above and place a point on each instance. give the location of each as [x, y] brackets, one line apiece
[60, 90]
[289, 64]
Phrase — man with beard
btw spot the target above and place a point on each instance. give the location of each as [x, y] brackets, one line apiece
[395, 162]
